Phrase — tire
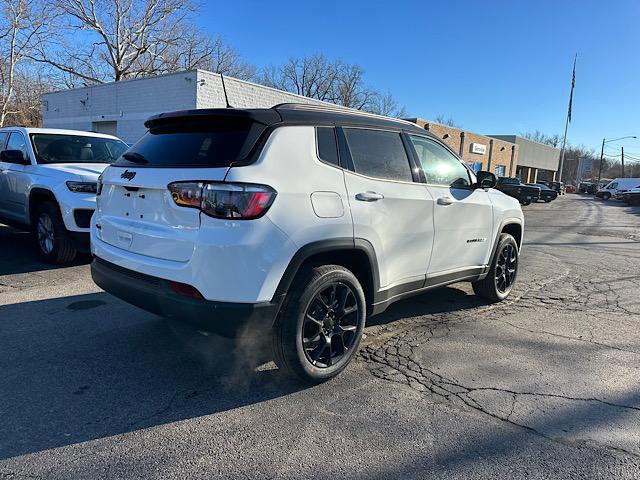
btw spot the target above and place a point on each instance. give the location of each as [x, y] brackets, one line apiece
[606, 196]
[489, 288]
[51, 237]
[525, 203]
[305, 316]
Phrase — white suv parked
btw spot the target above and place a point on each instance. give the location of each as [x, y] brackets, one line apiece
[296, 222]
[48, 184]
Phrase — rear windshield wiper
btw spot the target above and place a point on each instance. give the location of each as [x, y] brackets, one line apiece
[134, 157]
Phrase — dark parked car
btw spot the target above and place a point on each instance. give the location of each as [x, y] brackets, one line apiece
[546, 193]
[524, 193]
[587, 187]
[632, 197]
[557, 186]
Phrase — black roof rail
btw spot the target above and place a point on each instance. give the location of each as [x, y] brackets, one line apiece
[314, 106]
[336, 109]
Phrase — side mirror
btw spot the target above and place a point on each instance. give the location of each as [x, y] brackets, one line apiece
[486, 179]
[14, 156]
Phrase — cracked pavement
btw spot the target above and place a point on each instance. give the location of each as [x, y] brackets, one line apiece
[543, 385]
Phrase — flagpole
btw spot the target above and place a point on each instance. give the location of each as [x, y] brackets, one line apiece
[566, 125]
[564, 141]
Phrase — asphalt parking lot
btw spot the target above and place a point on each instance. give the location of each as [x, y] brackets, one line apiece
[544, 385]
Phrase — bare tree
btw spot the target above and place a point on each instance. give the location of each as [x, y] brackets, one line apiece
[313, 77]
[27, 104]
[540, 137]
[22, 24]
[111, 40]
[331, 81]
[448, 121]
[385, 104]
[199, 50]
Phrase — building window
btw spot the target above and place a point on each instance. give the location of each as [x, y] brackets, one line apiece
[500, 170]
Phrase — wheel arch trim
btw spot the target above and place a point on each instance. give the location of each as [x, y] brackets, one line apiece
[510, 221]
[39, 191]
[312, 249]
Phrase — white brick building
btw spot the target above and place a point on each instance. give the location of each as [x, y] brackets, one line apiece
[120, 108]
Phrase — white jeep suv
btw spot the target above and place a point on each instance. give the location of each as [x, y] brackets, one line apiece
[296, 222]
[48, 184]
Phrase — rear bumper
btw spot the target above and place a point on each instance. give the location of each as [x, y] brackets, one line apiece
[154, 294]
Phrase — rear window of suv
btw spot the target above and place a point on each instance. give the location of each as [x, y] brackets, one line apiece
[195, 143]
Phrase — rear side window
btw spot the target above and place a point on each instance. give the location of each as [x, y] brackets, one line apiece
[327, 145]
[195, 143]
[378, 154]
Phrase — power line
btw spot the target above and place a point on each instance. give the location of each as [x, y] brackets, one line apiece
[629, 158]
[636, 154]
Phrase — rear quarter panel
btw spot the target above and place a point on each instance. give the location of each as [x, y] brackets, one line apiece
[311, 202]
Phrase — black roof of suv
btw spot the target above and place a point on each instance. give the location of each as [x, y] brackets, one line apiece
[292, 113]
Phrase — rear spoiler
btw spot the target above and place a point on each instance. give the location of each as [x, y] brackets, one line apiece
[264, 116]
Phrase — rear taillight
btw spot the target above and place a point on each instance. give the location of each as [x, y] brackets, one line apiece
[187, 194]
[237, 201]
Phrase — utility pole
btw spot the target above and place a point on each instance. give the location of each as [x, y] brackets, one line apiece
[622, 162]
[601, 159]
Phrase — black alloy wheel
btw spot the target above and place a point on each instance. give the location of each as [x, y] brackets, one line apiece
[506, 268]
[330, 325]
[320, 325]
[499, 281]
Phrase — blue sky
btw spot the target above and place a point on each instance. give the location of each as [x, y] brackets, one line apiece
[493, 66]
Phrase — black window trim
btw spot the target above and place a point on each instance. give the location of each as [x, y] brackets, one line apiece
[423, 177]
[343, 149]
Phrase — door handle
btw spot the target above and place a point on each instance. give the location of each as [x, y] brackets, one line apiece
[369, 196]
[444, 201]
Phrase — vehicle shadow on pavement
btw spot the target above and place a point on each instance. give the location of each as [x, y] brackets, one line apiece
[90, 366]
[18, 253]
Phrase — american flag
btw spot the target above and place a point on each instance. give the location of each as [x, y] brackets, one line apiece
[573, 83]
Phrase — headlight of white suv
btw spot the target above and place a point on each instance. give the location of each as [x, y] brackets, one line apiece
[83, 187]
